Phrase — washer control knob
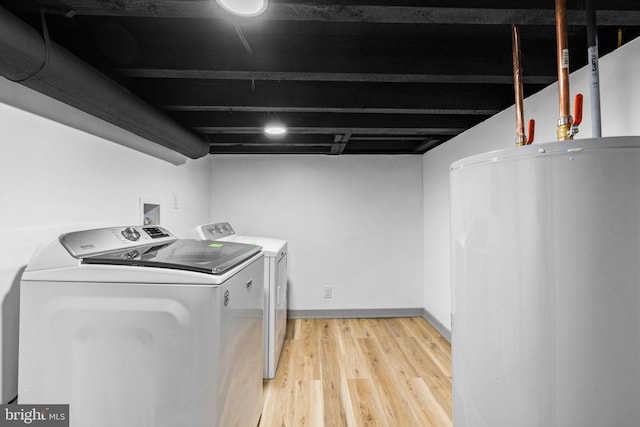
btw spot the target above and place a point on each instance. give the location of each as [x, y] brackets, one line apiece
[131, 233]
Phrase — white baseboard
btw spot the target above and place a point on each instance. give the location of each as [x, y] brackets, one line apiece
[355, 313]
[443, 330]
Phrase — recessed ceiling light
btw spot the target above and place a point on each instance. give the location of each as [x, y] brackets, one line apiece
[275, 129]
[244, 7]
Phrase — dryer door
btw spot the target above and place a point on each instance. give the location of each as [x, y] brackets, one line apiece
[281, 306]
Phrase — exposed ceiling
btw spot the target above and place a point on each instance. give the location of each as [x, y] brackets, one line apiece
[359, 77]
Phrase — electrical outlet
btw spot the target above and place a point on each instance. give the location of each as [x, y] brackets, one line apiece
[327, 291]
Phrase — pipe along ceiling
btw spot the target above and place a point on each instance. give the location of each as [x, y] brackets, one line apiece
[31, 59]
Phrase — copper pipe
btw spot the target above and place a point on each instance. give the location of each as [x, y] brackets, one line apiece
[517, 85]
[562, 41]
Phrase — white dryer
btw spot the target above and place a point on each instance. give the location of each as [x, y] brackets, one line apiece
[133, 327]
[275, 287]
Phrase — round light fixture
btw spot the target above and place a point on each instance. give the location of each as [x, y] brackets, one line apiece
[275, 129]
[245, 8]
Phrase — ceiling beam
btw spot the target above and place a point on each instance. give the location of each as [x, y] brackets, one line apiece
[442, 15]
[270, 149]
[327, 95]
[271, 144]
[337, 146]
[424, 58]
[305, 140]
[155, 73]
[262, 139]
[332, 130]
[417, 66]
[428, 144]
[325, 120]
[343, 13]
[386, 138]
[335, 110]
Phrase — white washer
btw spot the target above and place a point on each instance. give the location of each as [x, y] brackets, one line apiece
[133, 327]
[275, 287]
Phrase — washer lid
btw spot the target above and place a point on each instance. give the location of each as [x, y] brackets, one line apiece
[203, 256]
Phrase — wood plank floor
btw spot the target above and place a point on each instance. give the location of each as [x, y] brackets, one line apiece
[360, 372]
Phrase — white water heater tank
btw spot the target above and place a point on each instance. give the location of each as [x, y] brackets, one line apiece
[546, 285]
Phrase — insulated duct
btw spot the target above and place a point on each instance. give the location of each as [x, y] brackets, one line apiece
[40, 64]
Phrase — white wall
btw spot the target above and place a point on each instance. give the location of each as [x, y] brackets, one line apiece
[620, 84]
[352, 222]
[54, 178]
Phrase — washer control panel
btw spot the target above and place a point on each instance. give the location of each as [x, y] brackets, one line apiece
[130, 233]
[216, 230]
[91, 242]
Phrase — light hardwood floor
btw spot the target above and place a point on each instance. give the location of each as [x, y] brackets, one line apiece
[360, 372]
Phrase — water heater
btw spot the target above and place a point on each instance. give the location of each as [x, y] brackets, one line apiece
[546, 285]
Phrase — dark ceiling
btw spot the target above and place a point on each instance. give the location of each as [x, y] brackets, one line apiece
[358, 77]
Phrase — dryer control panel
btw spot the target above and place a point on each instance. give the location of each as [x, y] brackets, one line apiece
[216, 230]
[91, 242]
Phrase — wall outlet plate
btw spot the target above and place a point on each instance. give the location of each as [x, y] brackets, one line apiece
[327, 291]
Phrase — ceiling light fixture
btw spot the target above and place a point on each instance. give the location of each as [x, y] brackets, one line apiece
[246, 8]
[275, 129]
